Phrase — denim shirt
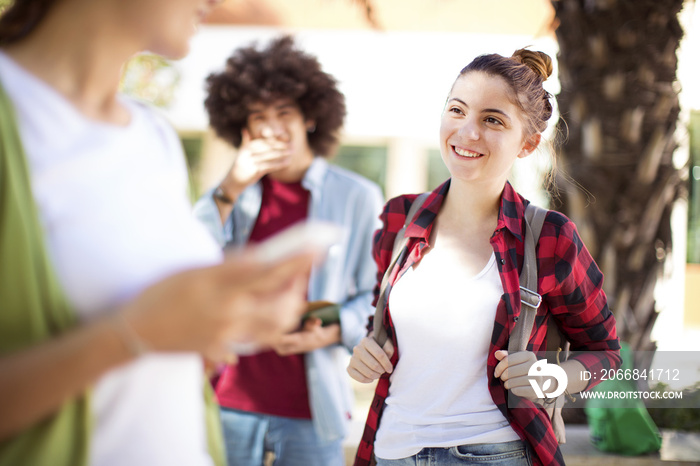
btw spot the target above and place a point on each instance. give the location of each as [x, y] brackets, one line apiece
[347, 276]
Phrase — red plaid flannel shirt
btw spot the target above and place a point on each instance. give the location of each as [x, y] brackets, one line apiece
[568, 279]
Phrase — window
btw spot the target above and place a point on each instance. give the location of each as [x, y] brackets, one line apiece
[694, 196]
[437, 171]
[368, 161]
[192, 146]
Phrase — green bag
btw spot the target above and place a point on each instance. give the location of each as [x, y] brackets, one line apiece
[622, 426]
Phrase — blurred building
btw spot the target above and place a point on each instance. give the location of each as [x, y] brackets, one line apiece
[395, 74]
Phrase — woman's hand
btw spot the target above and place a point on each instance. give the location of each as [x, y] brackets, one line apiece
[369, 361]
[513, 371]
[205, 310]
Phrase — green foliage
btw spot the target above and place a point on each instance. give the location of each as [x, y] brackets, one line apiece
[192, 146]
[4, 4]
[151, 78]
[667, 415]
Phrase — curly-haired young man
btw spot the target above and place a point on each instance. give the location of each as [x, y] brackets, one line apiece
[283, 113]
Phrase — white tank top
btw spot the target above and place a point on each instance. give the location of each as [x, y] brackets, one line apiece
[439, 393]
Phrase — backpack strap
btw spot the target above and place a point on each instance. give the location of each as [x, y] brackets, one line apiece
[399, 251]
[529, 298]
[530, 301]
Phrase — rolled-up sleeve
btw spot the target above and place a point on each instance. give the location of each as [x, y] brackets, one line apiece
[576, 299]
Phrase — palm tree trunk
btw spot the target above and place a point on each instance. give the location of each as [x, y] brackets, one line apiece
[619, 103]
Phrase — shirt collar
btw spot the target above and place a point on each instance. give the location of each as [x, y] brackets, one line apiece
[315, 174]
[510, 213]
[423, 220]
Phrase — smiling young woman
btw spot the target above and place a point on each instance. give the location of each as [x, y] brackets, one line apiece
[454, 297]
[482, 131]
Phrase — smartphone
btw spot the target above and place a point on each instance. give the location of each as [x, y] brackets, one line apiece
[309, 236]
[328, 312]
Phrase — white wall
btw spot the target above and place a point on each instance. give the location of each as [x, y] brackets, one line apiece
[395, 83]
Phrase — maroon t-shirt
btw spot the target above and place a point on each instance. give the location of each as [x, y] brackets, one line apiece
[267, 383]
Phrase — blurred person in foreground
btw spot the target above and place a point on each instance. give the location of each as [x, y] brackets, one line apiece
[283, 114]
[445, 372]
[111, 290]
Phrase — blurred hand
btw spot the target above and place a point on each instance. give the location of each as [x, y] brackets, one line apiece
[205, 310]
[312, 336]
[369, 361]
[256, 158]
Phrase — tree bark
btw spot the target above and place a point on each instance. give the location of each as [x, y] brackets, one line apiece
[620, 108]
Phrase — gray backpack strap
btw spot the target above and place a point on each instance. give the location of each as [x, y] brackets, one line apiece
[399, 250]
[529, 298]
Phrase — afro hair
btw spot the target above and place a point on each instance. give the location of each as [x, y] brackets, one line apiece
[279, 71]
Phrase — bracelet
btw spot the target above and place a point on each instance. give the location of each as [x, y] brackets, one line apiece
[221, 195]
[136, 346]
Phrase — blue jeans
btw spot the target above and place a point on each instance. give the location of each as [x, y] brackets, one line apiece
[294, 442]
[488, 454]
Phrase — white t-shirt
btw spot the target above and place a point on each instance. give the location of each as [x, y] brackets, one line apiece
[439, 394]
[113, 204]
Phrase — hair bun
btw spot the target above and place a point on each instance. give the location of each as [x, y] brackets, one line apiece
[539, 62]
